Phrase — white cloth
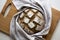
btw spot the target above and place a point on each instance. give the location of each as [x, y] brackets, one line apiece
[15, 29]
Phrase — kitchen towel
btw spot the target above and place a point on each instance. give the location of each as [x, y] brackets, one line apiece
[15, 29]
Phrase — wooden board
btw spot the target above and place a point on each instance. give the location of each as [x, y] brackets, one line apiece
[5, 21]
[55, 19]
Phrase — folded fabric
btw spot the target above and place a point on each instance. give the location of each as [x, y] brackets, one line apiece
[15, 29]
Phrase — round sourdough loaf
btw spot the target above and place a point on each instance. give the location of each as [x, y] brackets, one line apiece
[31, 20]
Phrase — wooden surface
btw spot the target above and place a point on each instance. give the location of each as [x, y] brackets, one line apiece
[55, 19]
[5, 21]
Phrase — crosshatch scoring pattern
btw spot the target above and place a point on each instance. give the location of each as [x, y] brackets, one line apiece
[32, 21]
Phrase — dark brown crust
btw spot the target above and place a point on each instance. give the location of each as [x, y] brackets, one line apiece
[31, 19]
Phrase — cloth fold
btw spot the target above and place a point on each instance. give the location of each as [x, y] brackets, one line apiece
[15, 29]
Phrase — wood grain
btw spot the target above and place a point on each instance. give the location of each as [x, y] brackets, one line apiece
[5, 21]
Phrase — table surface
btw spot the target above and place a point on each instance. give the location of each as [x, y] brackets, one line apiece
[54, 4]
